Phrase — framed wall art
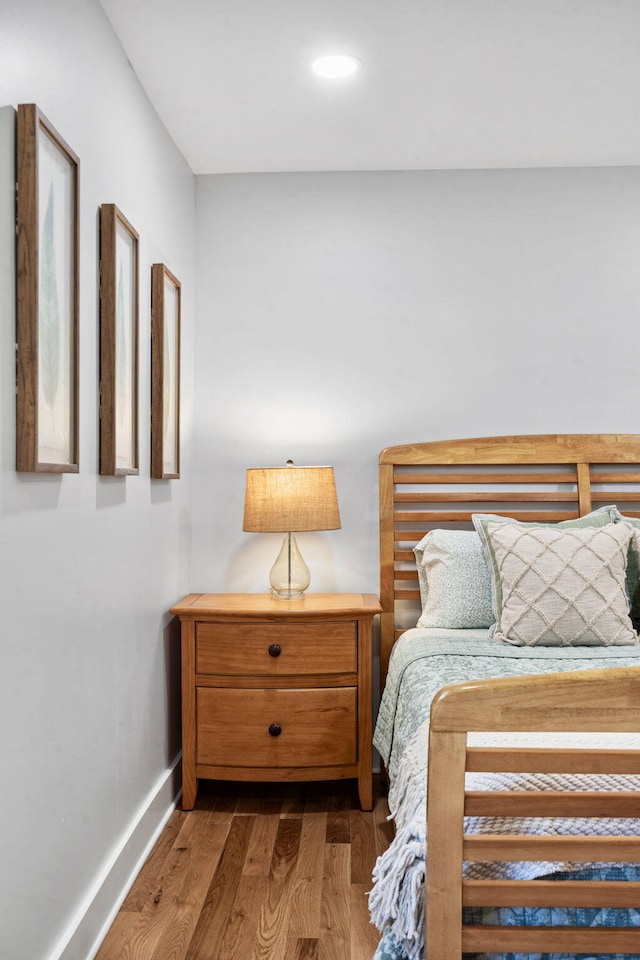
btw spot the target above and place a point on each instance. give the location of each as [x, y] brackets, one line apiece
[47, 297]
[118, 343]
[165, 373]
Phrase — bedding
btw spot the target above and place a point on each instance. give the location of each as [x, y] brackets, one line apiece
[423, 661]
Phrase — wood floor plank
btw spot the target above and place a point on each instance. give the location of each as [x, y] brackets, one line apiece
[258, 804]
[163, 928]
[120, 934]
[146, 880]
[177, 860]
[316, 797]
[338, 815]
[260, 852]
[226, 805]
[240, 932]
[364, 936]
[306, 895]
[301, 949]
[271, 936]
[183, 910]
[335, 926]
[249, 875]
[208, 936]
[363, 847]
[293, 800]
[224, 796]
[285, 853]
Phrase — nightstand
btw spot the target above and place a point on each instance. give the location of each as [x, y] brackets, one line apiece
[276, 689]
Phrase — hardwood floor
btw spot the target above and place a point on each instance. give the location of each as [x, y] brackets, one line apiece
[258, 872]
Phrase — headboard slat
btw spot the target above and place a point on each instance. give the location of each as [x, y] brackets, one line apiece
[486, 496]
[598, 476]
[464, 516]
[494, 477]
[584, 488]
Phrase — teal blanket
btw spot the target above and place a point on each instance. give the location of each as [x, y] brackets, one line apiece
[423, 661]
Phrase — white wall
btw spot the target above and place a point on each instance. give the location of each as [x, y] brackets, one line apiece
[88, 565]
[341, 313]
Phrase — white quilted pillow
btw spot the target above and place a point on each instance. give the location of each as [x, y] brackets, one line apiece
[562, 586]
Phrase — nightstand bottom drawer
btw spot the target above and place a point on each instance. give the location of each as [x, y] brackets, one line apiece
[276, 728]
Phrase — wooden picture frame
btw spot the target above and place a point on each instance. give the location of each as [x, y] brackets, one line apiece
[47, 295]
[119, 326]
[165, 373]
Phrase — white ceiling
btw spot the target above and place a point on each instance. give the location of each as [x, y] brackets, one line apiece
[445, 83]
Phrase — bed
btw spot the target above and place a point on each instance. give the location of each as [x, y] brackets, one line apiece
[514, 719]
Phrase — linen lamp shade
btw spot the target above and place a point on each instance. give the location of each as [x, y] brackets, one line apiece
[287, 500]
[290, 499]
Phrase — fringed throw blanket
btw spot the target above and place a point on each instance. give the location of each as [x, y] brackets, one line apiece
[423, 661]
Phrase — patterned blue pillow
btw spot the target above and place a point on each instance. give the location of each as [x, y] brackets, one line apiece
[455, 585]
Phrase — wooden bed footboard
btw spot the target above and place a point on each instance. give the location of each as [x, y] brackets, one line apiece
[580, 701]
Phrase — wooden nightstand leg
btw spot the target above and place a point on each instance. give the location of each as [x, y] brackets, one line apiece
[189, 781]
[189, 790]
[365, 791]
[365, 730]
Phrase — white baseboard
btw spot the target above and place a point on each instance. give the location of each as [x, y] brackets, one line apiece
[88, 928]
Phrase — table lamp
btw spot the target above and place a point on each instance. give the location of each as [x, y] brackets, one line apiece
[287, 500]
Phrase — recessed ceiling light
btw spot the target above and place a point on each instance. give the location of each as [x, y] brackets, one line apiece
[336, 66]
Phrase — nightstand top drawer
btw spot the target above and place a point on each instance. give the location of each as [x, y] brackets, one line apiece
[272, 648]
[263, 606]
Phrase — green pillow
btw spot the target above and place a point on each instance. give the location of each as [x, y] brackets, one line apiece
[633, 568]
[455, 586]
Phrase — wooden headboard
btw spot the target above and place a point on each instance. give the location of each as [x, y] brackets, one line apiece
[440, 484]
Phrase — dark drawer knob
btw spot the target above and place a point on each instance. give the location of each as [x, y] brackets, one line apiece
[275, 650]
[275, 729]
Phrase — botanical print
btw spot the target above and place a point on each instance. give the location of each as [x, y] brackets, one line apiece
[49, 341]
[170, 410]
[125, 349]
[55, 303]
